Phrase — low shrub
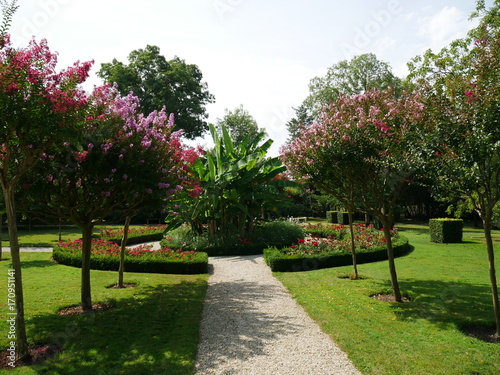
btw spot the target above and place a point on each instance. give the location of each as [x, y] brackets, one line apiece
[445, 230]
[275, 233]
[343, 218]
[332, 217]
[105, 256]
[139, 235]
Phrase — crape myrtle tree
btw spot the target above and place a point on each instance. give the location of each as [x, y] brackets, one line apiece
[461, 84]
[39, 107]
[124, 162]
[157, 83]
[363, 150]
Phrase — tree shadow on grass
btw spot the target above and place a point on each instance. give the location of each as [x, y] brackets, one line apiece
[445, 303]
[154, 332]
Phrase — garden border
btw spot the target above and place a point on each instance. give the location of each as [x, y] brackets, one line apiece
[198, 265]
[279, 262]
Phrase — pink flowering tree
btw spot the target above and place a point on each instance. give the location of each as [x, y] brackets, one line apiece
[461, 85]
[363, 150]
[39, 107]
[124, 163]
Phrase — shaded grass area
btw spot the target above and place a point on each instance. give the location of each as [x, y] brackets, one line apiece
[48, 236]
[449, 288]
[153, 328]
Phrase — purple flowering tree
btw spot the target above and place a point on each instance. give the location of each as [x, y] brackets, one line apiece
[363, 150]
[124, 163]
[39, 107]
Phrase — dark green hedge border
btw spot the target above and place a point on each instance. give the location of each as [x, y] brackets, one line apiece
[278, 262]
[236, 250]
[443, 230]
[133, 264]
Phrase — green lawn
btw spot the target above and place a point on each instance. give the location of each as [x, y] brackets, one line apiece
[153, 329]
[449, 287]
[48, 236]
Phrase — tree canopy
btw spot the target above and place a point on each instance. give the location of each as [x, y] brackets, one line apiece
[159, 83]
[239, 123]
[349, 77]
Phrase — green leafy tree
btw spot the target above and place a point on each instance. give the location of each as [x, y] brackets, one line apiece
[236, 183]
[239, 124]
[461, 86]
[350, 77]
[363, 151]
[160, 83]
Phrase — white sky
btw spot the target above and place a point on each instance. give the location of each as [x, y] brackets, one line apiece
[259, 53]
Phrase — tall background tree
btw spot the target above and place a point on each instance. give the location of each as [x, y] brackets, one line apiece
[239, 123]
[349, 77]
[159, 83]
[461, 85]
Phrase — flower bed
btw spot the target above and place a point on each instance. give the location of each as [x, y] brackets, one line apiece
[106, 256]
[143, 234]
[316, 252]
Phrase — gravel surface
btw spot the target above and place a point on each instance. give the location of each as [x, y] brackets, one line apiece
[252, 325]
[33, 249]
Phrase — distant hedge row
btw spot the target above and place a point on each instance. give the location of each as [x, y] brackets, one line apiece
[279, 262]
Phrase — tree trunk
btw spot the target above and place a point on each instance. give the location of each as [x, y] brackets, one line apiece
[386, 222]
[121, 269]
[86, 297]
[353, 245]
[493, 277]
[21, 339]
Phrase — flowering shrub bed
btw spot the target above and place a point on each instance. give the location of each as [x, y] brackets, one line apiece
[334, 251]
[338, 239]
[106, 256]
[146, 233]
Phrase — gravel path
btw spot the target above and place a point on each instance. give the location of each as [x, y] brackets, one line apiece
[252, 325]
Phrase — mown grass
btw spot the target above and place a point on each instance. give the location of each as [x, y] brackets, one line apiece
[153, 328]
[449, 287]
[48, 236]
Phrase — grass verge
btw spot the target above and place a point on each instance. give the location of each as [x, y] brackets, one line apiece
[153, 328]
[449, 287]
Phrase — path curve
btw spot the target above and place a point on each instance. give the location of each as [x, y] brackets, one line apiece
[252, 325]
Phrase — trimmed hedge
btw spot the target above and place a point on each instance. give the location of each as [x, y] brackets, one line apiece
[332, 217]
[279, 262]
[343, 218]
[136, 264]
[443, 230]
